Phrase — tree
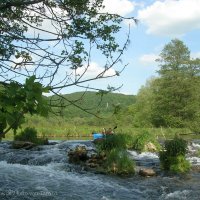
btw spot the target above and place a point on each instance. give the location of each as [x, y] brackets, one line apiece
[173, 98]
[176, 92]
[51, 44]
[174, 57]
[17, 100]
[142, 109]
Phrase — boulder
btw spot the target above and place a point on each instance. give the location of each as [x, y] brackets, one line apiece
[52, 143]
[79, 154]
[150, 147]
[23, 145]
[147, 172]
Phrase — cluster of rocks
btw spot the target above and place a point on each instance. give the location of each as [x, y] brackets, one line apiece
[27, 145]
[81, 156]
[23, 145]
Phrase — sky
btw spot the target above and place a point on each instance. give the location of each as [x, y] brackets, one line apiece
[160, 21]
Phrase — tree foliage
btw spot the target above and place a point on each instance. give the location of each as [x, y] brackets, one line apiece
[172, 99]
[142, 110]
[47, 38]
[176, 94]
[17, 100]
[50, 44]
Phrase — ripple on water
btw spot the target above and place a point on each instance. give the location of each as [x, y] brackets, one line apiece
[182, 195]
[194, 160]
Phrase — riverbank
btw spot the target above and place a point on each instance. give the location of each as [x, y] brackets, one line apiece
[69, 132]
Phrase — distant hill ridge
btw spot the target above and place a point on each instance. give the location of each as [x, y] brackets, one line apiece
[95, 103]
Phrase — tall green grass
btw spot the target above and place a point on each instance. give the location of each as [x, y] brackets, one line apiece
[141, 140]
[61, 128]
[118, 162]
[30, 135]
[117, 158]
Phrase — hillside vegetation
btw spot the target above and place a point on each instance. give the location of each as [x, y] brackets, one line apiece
[93, 102]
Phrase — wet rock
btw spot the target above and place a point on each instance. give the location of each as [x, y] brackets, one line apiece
[79, 154]
[52, 143]
[150, 147]
[96, 160]
[22, 145]
[92, 165]
[195, 168]
[147, 172]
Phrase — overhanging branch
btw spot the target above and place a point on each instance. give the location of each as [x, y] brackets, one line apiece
[15, 3]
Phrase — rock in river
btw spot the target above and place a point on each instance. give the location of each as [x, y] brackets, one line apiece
[147, 172]
[23, 145]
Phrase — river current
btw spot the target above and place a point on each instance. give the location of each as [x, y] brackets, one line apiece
[44, 173]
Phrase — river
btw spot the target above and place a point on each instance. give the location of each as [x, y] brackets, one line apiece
[44, 173]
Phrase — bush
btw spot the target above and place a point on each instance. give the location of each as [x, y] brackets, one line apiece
[172, 157]
[113, 141]
[118, 162]
[30, 135]
[117, 159]
[176, 147]
[142, 139]
[179, 164]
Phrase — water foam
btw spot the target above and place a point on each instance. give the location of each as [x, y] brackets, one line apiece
[184, 194]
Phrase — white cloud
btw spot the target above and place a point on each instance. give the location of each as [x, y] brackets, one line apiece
[195, 55]
[94, 70]
[130, 22]
[171, 17]
[18, 63]
[148, 59]
[121, 7]
[47, 25]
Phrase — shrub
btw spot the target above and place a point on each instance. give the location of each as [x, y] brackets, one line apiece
[118, 162]
[172, 157]
[30, 135]
[176, 147]
[142, 139]
[113, 141]
[179, 164]
[117, 159]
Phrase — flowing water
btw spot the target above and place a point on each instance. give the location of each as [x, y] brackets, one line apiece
[44, 173]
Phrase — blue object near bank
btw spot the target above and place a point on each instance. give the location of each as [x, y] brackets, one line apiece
[97, 136]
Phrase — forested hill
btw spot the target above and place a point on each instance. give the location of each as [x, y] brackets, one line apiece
[94, 103]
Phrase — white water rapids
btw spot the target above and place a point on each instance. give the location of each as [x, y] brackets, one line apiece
[44, 173]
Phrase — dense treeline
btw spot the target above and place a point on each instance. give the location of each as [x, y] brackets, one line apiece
[173, 98]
